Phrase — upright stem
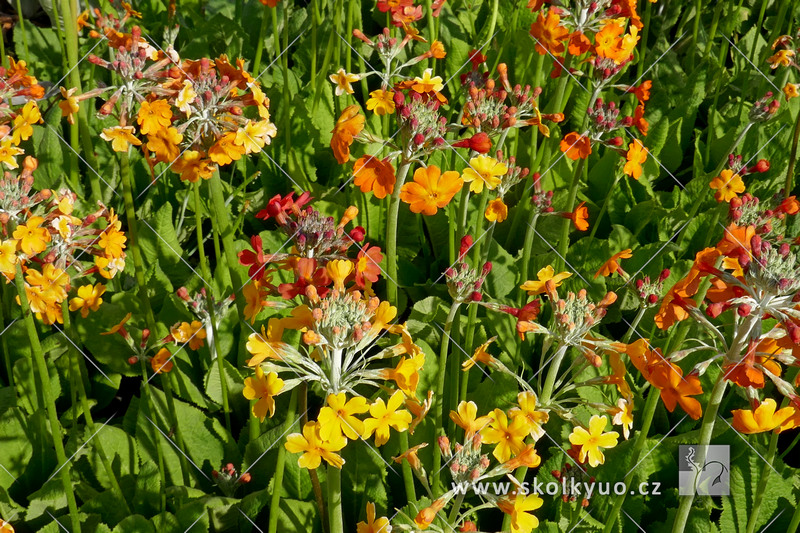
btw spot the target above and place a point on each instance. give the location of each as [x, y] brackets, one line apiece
[223, 228]
[391, 232]
[603, 207]
[787, 188]
[277, 485]
[173, 420]
[334, 482]
[762, 482]
[636, 321]
[206, 270]
[563, 244]
[638, 448]
[524, 271]
[47, 395]
[3, 338]
[795, 521]
[22, 29]
[439, 413]
[552, 374]
[71, 34]
[262, 34]
[706, 429]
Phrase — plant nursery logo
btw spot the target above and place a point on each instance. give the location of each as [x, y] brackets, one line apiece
[704, 470]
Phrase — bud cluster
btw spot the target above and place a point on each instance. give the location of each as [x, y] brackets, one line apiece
[577, 315]
[341, 320]
[765, 108]
[198, 303]
[468, 464]
[228, 480]
[464, 282]
[768, 218]
[421, 122]
[650, 291]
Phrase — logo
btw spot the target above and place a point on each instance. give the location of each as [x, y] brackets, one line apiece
[704, 470]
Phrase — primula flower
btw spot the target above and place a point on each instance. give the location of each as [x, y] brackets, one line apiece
[193, 165]
[427, 84]
[374, 175]
[314, 448]
[790, 90]
[263, 388]
[161, 361]
[386, 415]
[527, 408]
[338, 417]
[622, 415]
[677, 388]
[762, 418]
[6, 527]
[639, 122]
[69, 105]
[510, 438]
[88, 298]
[342, 80]
[338, 270]
[255, 135]
[154, 116]
[164, 144]
[518, 506]
[781, 58]
[466, 417]
[579, 44]
[612, 265]
[496, 211]
[367, 265]
[120, 137]
[256, 260]
[381, 102]
[120, 327]
[427, 515]
[24, 121]
[193, 333]
[226, 149]
[594, 440]
[610, 44]
[437, 48]
[576, 146]
[349, 124]
[728, 186]
[480, 142]
[8, 258]
[8, 153]
[430, 190]
[481, 355]
[373, 525]
[31, 239]
[580, 217]
[546, 274]
[549, 34]
[483, 170]
[637, 154]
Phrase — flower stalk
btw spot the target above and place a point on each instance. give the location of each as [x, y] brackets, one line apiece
[391, 232]
[440, 377]
[275, 502]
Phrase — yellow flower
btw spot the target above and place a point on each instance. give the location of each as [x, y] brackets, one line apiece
[342, 80]
[338, 270]
[23, 123]
[193, 165]
[8, 152]
[381, 102]
[483, 170]
[384, 416]
[69, 106]
[8, 258]
[510, 438]
[781, 58]
[164, 144]
[623, 415]
[185, 97]
[406, 374]
[496, 211]
[5, 527]
[728, 185]
[546, 274]
[89, 297]
[527, 408]
[32, 239]
[480, 356]
[339, 417]
[762, 418]
[154, 116]
[119, 327]
[193, 333]
[120, 137]
[791, 90]
[593, 440]
[267, 344]
[521, 520]
[162, 361]
[426, 83]
[263, 388]
[112, 241]
[315, 448]
[373, 525]
[466, 417]
[255, 135]
[226, 149]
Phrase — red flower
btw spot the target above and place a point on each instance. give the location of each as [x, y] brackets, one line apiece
[307, 274]
[367, 265]
[480, 142]
[279, 207]
[256, 260]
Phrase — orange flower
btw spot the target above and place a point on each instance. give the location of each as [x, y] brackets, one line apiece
[637, 154]
[193, 333]
[675, 388]
[549, 34]
[673, 306]
[437, 50]
[790, 90]
[164, 144]
[612, 265]
[580, 217]
[376, 175]
[639, 121]
[350, 124]
[193, 165]
[161, 361]
[762, 418]
[579, 44]
[496, 211]
[728, 185]
[154, 116]
[225, 150]
[576, 146]
[269, 3]
[430, 190]
[31, 239]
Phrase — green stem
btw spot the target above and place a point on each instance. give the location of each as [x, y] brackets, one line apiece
[604, 206]
[277, 485]
[391, 233]
[224, 230]
[148, 408]
[530, 232]
[173, 420]
[793, 157]
[439, 391]
[451, 518]
[765, 473]
[133, 241]
[262, 34]
[40, 364]
[206, 270]
[552, 374]
[645, 35]
[635, 323]
[22, 29]
[76, 382]
[314, 26]
[4, 339]
[636, 453]
[698, 7]
[795, 521]
[70, 18]
[334, 482]
[706, 429]
[563, 244]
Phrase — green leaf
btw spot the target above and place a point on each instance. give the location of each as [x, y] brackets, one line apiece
[16, 450]
[49, 152]
[135, 524]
